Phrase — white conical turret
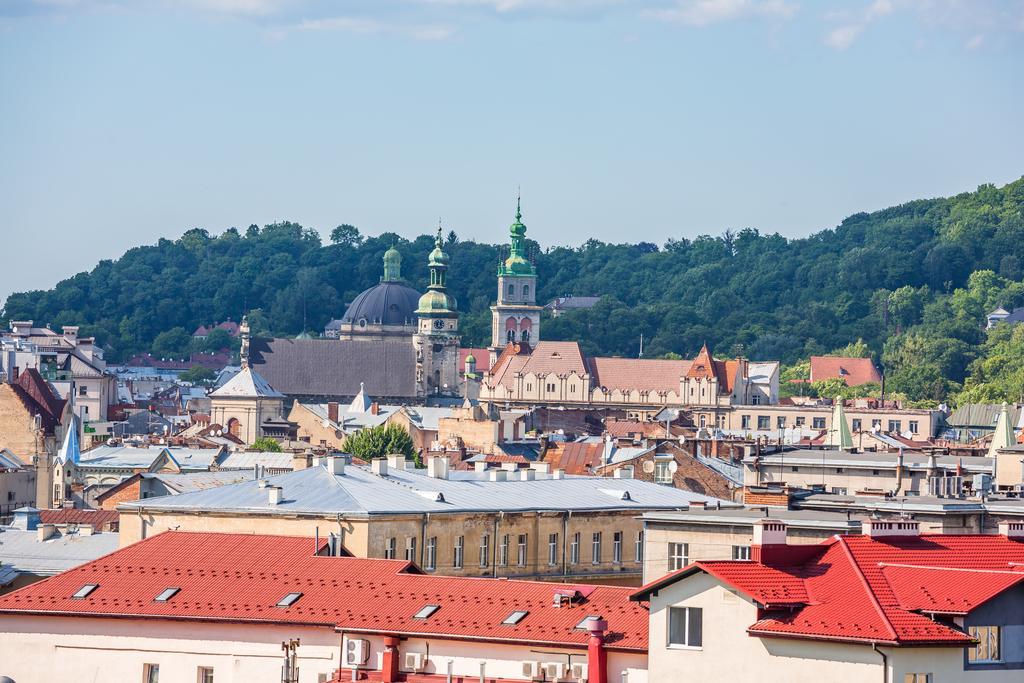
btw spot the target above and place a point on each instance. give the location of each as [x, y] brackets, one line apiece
[1003, 436]
[839, 434]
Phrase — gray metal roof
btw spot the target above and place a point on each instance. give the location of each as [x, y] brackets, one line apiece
[908, 504]
[134, 457]
[187, 482]
[244, 460]
[746, 516]
[23, 552]
[833, 458]
[359, 491]
[981, 415]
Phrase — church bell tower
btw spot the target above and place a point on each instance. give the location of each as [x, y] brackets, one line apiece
[436, 341]
[515, 317]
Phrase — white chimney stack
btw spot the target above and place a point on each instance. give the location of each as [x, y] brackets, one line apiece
[379, 466]
[498, 475]
[886, 528]
[769, 532]
[509, 466]
[541, 467]
[623, 473]
[1012, 529]
[275, 494]
[335, 464]
[558, 474]
[527, 475]
[437, 467]
[396, 461]
[480, 466]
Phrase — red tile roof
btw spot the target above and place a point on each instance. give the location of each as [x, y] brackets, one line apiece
[855, 588]
[482, 357]
[241, 577]
[628, 428]
[97, 518]
[627, 374]
[575, 458]
[855, 371]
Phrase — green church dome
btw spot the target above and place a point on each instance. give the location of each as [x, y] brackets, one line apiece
[436, 301]
[517, 263]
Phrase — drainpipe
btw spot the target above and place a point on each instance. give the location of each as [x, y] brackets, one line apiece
[565, 538]
[423, 536]
[142, 526]
[494, 546]
[885, 662]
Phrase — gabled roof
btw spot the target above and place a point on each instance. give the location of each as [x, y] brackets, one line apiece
[241, 578]
[862, 589]
[854, 371]
[246, 384]
[39, 399]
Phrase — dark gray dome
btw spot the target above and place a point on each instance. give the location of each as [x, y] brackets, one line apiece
[389, 303]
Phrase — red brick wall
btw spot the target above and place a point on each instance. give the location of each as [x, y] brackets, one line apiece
[127, 494]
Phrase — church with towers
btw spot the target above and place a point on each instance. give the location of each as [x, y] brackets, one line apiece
[404, 347]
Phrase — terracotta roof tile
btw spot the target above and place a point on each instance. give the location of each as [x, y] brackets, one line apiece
[575, 458]
[97, 518]
[855, 371]
[638, 373]
[241, 577]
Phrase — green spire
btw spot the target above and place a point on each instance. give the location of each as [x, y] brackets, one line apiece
[392, 265]
[517, 263]
[437, 300]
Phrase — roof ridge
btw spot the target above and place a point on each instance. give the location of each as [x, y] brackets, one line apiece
[841, 542]
[951, 569]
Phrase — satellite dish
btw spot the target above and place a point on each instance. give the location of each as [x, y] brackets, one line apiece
[649, 466]
[673, 466]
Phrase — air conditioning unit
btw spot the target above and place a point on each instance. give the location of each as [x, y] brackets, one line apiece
[579, 672]
[554, 671]
[531, 670]
[414, 661]
[357, 652]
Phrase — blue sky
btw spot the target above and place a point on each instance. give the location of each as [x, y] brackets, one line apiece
[624, 120]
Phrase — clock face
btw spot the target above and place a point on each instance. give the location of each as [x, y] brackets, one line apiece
[438, 324]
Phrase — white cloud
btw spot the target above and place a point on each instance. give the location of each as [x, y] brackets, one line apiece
[842, 37]
[366, 26]
[704, 12]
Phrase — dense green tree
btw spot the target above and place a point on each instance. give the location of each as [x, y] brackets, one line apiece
[198, 375]
[172, 343]
[380, 441]
[266, 444]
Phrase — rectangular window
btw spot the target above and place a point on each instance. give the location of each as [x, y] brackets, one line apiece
[574, 549]
[431, 559]
[800, 421]
[410, 549]
[895, 426]
[987, 649]
[839, 490]
[876, 424]
[638, 548]
[662, 471]
[913, 426]
[780, 422]
[855, 424]
[617, 547]
[485, 550]
[521, 551]
[744, 422]
[764, 422]
[741, 552]
[684, 627]
[150, 673]
[552, 549]
[204, 674]
[678, 556]
[82, 391]
[503, 551]
[390, 548]
[817, 423]
[595, 548]
[457, 552]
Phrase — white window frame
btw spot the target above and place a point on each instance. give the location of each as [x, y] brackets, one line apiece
[574, 549]
[430, 557]
[522, 552]
[150, 673]
[595, 548]
[741, 552]
[485, 550]
[390, 548]
[685, 645]
[662, 471]
[204, 674]
[989, 637]
[457, 552]
[552, 549]
[410, 549]
[638, 547]
[678, 556]
[617, 547]
[503, 551]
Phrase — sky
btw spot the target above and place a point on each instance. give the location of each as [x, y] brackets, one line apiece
[623, 120]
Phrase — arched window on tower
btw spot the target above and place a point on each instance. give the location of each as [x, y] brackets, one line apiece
[510, 329]
[526, 291]
[510, 335]
[525, 326]
[525, 336]
[511, 291]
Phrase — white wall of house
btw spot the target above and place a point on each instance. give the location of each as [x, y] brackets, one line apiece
[728, 653]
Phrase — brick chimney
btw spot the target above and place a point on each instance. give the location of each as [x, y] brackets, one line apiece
[374, 408]
[769, 540]
[332, 412]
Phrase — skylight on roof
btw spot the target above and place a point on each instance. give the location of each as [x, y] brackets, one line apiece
[166, 594]
[426, 611]
[84, 591]
[582, 626]
[515, 617]
[289, 600]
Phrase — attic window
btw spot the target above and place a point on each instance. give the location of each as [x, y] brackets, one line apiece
[84, 591]
[515, 618]
[582, 626]
[289, 600]
[167, 594]
[426, 612]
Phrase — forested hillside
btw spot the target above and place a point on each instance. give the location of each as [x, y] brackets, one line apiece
[913, 282]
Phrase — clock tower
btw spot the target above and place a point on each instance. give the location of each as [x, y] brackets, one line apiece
[436, 341]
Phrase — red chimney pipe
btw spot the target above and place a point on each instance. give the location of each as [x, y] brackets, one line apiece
[332, 412]
[389, 665]
[597, 655]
